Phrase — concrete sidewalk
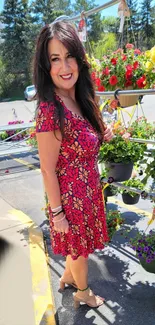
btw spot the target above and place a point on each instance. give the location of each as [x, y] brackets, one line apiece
[25, 293]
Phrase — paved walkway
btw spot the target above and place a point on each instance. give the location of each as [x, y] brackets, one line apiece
[25, 293]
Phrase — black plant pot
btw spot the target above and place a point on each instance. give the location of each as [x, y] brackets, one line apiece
[128, 199]
[108, 191]
[119, 171]
[149, 267]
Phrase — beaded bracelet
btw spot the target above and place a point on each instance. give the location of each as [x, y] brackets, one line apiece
[57, 209]
[57, 213]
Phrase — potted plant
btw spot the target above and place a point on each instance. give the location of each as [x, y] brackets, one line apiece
[110, 190]
[120, 154]
[128, 196]
[114, 221]
[129, 69]
[144, 246]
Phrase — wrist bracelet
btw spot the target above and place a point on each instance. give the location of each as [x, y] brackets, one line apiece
[57, 213]
[56, 209]
[59, 219]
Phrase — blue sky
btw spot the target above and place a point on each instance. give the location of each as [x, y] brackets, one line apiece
[107, 12]
[112, 11]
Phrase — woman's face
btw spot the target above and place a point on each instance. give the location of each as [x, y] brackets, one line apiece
[64, 68]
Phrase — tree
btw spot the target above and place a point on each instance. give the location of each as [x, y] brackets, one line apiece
[18, 37]
[147, 23]
[106, 44]
[110, 24]
[133, 23]
[45, 11]
[65, 6]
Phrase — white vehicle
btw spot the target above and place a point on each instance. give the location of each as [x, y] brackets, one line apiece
[29, 92]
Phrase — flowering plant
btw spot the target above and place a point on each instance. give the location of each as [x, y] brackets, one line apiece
[8, 133]
[144, 245]
[132, 182]
[120, 148]
[114, 221]
[122, 69]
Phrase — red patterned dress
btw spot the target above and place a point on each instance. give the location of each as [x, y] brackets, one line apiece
[79, 181]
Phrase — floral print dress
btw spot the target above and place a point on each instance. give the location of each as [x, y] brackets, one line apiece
[79, 181]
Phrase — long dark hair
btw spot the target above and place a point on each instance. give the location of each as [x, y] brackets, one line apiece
[84, 90]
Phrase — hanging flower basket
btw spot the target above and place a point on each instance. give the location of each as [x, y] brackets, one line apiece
[128, 199]
[110, 191]
[127, 101]
[148, 267]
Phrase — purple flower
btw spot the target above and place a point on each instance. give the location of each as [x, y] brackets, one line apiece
[146, 249]
[140, 255]
[148, 261]
[139, 248]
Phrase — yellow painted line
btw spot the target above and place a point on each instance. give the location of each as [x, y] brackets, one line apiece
[44, 308]
[130, 207]
[25, 163]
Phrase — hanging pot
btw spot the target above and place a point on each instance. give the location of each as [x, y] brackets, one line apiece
[149, 267]
[108, 191]
[119, 171]
[126, 100]
[128, 199]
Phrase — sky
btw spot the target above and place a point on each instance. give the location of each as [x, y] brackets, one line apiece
[111, 11]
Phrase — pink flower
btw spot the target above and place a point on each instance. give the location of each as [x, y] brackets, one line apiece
[129, 46]
[126, 136]
[137, 51]
[93, 75]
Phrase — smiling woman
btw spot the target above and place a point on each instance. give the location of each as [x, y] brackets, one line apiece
[69, 130]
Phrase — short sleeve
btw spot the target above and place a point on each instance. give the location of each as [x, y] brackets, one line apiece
[45, 121]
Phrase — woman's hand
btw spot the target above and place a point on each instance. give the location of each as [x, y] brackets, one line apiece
[108, 133]
[61, 224]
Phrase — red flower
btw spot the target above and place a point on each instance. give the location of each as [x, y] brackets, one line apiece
[141, 82]
[128, 74]
[101, 88]
[93, 75]
[137, 51]
[114, 61]
[136, 65]
[129, 67]
[113, 80]
[129, 46]
[98, 82]
[106, 71]
[128, 83]
[124, 57]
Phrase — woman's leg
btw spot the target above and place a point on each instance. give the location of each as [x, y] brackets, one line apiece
[79, 270]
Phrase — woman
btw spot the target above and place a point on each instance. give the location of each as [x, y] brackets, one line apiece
[69, 133]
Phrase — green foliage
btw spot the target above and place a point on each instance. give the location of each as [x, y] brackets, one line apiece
[141, 128]
[119, 150]
[104, 45]
[132, 182]
[114, 221]
[46, 11]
